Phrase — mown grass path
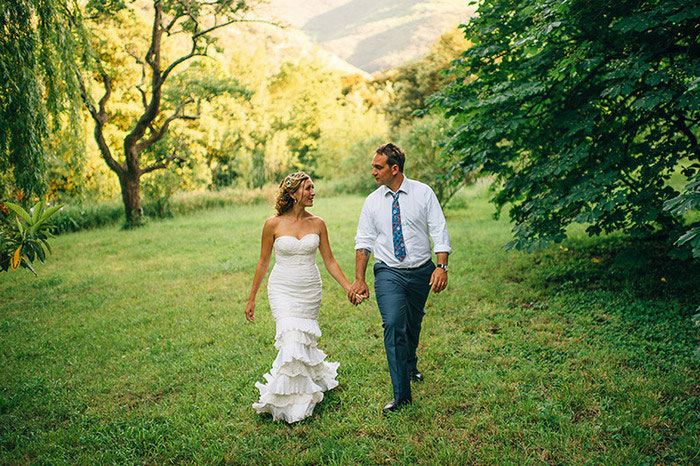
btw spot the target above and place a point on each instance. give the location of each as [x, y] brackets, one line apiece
[132, 347]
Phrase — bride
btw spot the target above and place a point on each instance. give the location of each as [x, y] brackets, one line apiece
[299, 374]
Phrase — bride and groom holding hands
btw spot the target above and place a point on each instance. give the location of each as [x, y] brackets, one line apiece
[396, 224]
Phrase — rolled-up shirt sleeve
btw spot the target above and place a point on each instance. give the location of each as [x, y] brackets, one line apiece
[438, 226]
[366, 230]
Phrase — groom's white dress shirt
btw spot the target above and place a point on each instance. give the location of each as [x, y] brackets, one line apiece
[421, 219]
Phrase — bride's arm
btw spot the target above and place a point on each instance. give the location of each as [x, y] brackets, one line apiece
[328, 259]
[261, 269]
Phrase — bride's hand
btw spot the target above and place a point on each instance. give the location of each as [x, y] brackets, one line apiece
[357, 299]
[250, 312]
[358, 292]
[354, 298]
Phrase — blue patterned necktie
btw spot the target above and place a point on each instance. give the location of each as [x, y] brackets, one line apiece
[399, 245]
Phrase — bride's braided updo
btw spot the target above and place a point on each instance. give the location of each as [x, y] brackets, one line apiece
[289, 185]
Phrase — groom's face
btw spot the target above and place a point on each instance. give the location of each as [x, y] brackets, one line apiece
[381, 171]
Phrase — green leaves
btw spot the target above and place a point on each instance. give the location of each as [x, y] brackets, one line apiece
[582, 110]
[24, 238]
[427, 164]
[688, 201]
[20, 212]
[203, 80]
[39, 50]
[696, 321]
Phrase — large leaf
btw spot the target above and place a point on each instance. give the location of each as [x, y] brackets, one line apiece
[47, 246]
[50, 212]
[689, 235]
[19, 211]
[29, 266]
[16, 258]
[37, 211]
[39, 250]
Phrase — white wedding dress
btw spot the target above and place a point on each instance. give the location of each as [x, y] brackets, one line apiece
[299, 374]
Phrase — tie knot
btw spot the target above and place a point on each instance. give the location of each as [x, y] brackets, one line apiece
[395, 195]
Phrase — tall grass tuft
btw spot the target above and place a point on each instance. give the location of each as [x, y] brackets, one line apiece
[190, 202]
[89, 215]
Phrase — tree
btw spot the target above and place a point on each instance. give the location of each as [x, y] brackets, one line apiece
[40, 47]
[582, 110]
[420, 132]
[423, 140]
[306, 94]
[194, 19]
[412, 83]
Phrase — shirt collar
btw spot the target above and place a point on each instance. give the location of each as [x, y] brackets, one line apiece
[404, 187]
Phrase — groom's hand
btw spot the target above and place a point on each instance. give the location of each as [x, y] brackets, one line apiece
[359, 291]
[438, 280]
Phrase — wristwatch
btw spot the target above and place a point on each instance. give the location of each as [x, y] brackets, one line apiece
[444, 267]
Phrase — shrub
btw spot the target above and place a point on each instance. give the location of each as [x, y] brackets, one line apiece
[24, 236]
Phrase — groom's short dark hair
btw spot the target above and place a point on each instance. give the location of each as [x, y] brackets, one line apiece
[394, 155]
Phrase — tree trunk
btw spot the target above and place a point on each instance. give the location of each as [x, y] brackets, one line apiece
[131, 195]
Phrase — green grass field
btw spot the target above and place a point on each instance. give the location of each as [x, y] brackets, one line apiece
[132, 347]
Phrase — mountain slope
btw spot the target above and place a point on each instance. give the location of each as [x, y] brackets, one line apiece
[373, 35]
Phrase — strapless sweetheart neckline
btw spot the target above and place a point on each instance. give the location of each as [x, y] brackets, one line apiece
[298, 239]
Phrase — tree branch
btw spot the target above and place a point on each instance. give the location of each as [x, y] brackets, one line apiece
[188, 12]
[171, 24]
[680, 123]
[164, 164]
[227, 23]
[101, 117]
[155, 137]
[153, 53]
[144, 100]
[86, 100]
[152, 109]
[196, 36]
[182, 59]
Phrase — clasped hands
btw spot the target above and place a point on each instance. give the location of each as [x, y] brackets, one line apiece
[358, 292]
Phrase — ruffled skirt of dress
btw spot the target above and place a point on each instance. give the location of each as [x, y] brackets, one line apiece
[299, 374]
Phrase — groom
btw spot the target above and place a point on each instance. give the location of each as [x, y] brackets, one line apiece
[397, 222]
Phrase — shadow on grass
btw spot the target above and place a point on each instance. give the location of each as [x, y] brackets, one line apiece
[635, 268]
[629, 294]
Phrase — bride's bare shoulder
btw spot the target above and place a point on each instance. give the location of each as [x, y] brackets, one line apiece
[318, 223]
[317, 220]
[271, 223]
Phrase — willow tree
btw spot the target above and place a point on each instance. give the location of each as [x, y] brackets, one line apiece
[195, 19]
[40, 47]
